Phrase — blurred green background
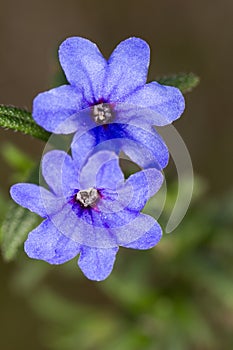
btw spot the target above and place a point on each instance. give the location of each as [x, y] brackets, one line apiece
[180, 294]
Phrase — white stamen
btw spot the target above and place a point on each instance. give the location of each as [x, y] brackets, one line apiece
[87, 197]
[102, 113]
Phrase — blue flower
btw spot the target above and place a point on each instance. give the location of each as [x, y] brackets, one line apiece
[110, 98]
[89, 211]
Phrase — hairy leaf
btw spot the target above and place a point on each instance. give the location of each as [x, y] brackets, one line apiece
[20, 120]
[18, 223]
[183, 81]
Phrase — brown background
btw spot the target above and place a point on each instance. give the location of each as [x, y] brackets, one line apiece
[183, 35]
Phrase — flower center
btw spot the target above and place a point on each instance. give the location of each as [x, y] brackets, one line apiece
[87, 197]
[102, 113]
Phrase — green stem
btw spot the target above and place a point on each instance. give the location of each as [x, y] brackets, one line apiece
[20, 120]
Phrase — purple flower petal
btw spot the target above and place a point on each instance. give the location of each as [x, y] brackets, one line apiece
[57, 110]
[77, 224]
[84, 67]
[167, 102]
[134, 230]
[97, 264]
[118, 208]
[145, 148]
[59, 172]
[141, 186]
[86, 144]
[99, 229]
[35, 198]
[148, 240]
[48, 244]
[127, 69]
[109, 175]
[108, 217]
[102, 171]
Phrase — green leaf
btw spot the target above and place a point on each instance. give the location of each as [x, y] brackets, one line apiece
[183, 81]
[20, 120]
[16, 226]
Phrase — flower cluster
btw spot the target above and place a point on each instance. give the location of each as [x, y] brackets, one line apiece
[89, 208]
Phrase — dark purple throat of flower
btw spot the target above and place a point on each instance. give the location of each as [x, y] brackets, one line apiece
[102, 113]
[87, 197]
